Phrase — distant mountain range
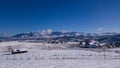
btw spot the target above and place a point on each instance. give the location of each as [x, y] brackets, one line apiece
[58, 34]
[109, 39]
[106, 37]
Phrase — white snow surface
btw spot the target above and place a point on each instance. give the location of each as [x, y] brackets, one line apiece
[39, 58]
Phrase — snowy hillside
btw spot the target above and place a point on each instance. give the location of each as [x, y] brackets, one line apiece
[37, 57]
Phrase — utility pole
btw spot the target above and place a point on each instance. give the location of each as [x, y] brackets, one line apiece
[104, 49]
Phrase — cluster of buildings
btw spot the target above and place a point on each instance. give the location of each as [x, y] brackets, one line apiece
[87, 44]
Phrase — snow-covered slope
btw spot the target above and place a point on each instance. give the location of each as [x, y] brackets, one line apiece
[37, 58]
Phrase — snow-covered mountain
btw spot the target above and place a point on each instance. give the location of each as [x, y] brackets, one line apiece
[110, 39]
[44, 34]
[52, 34]
[66, 35]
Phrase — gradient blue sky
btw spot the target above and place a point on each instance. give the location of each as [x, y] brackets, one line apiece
[73, 15]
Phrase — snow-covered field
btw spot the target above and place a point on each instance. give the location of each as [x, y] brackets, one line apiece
[39, 58]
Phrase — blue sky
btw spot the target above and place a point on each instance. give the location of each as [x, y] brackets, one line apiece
[73, 15]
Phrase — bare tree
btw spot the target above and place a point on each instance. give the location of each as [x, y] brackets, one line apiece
[9, 48]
